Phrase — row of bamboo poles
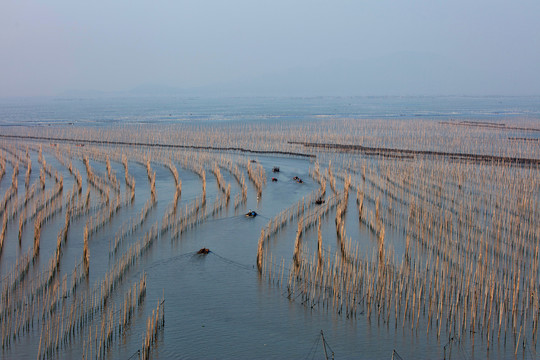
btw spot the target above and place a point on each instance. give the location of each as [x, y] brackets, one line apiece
[45, 208]
[257, 175]
[62, 311]
[470, 260]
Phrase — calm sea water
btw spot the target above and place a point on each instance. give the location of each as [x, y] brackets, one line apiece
[216, 306]
[103, 111]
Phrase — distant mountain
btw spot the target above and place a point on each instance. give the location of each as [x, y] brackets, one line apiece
[397, 74]
[405, 73]
[79, 93]
[157, 89]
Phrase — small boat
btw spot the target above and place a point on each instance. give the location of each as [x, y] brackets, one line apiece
[274, 179]
[203, 251]
[299, 181]
[251, 213]
[275, 169]
[295, 178]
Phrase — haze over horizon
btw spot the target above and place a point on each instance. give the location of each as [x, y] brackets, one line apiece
[242, 48]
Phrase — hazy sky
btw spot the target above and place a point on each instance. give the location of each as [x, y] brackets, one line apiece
[360, 47]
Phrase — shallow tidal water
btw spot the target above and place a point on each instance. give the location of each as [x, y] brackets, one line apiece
[217, 306]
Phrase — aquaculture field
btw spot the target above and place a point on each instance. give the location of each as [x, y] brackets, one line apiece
[411, 238]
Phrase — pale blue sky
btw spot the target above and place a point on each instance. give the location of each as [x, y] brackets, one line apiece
[371, 47]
